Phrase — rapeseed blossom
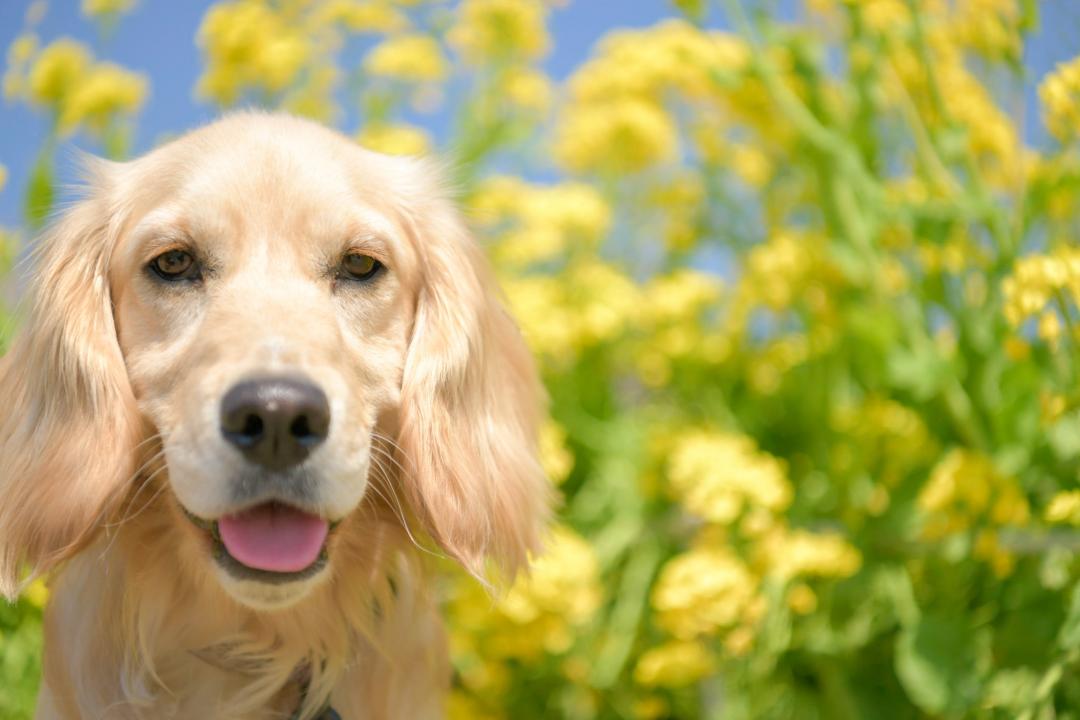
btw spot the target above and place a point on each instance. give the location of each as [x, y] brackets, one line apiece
[106, 90]
[799, 553]
[1064, 508]
[500, 30]
[410, 58]
[101, 8]
[704, 591]
[364, 16]
[676, 663]
[249, 46]
[533, 223]
[1037, 281]
[719, 476]
[57, 70]
[78, 92]
[539, 612]
[625, 135]
[1060, 96]
[397, 139]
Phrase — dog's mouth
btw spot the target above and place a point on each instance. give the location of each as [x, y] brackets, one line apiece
[271, 542]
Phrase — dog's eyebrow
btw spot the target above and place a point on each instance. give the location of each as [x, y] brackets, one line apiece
[153, 239]
[371, 243]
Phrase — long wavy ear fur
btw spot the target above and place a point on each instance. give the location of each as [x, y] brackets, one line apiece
[68, 427]
[471, 401]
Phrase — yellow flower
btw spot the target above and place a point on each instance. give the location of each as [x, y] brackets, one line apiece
[592, 302]
[314, 98]
[488, 30]
[776, 270]
[19, 53]
[991, 27]
[625, 135]
[460, 706]
[3, 176]
[647, 64]
[650, 707]
[1051, 407]
[398, 139]
[802, 599]
[540, 612]
[677, 663]
[798, 553]
[98, 8]
[1037, 279]
[680, 203]
[680, 295]
[562, 581]
[701, 592]
[360, 16]
[1050, 327]
[751, 165]
[539, 222]
[555, 456]
[527, 89]
[105, 91]
[719, 476]
[37, 593]
[412, 58]
[22, 49]
[1064, 508]
[58, 69]
[249, 46]
[962, 479]
[965, 488]
[1060, 96]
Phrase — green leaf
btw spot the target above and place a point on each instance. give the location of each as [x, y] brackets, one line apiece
[1064, 436]
[941, 662]
[920, 372]
[40, 193]
[1069, 635]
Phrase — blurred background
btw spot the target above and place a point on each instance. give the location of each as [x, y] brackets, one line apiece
[803, 282]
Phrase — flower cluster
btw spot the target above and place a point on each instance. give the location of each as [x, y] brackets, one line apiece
[64, 78]
[966, 492]
[1041, 286]
[1060, 96]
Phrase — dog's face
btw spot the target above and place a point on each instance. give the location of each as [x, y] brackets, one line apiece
[265, 330]
[273, 307]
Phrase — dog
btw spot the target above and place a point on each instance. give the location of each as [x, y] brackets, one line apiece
[263, 380]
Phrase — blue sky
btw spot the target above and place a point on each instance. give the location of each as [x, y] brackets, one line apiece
[157, 39]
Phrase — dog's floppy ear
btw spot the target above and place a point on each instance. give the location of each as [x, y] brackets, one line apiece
[68, 424]
[471, 401]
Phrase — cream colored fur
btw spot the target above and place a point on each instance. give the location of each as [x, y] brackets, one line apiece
[109, 429]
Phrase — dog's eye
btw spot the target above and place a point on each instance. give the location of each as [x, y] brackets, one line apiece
[175, 265]
[357, 266]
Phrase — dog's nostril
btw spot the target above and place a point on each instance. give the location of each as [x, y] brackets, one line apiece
[275, 422]
[300, 429]
[253, 428]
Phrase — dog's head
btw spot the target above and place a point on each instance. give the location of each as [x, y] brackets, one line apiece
[274, 309]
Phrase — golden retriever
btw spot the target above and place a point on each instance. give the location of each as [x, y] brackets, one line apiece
[259, 366]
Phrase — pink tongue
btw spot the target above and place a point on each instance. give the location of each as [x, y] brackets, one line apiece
[274, 537]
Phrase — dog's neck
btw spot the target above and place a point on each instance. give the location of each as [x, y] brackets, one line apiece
[174, 641]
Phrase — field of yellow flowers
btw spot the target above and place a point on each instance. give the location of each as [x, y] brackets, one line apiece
[807, 310]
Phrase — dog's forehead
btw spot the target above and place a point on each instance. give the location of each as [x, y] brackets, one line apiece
[259, 177]
[287, 172]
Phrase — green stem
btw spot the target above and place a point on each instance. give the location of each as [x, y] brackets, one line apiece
[631, 602]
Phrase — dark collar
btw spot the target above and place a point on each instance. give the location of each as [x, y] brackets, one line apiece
[220, 657]
[303, 675]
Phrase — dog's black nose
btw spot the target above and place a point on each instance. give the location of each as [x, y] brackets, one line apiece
[275, 422]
